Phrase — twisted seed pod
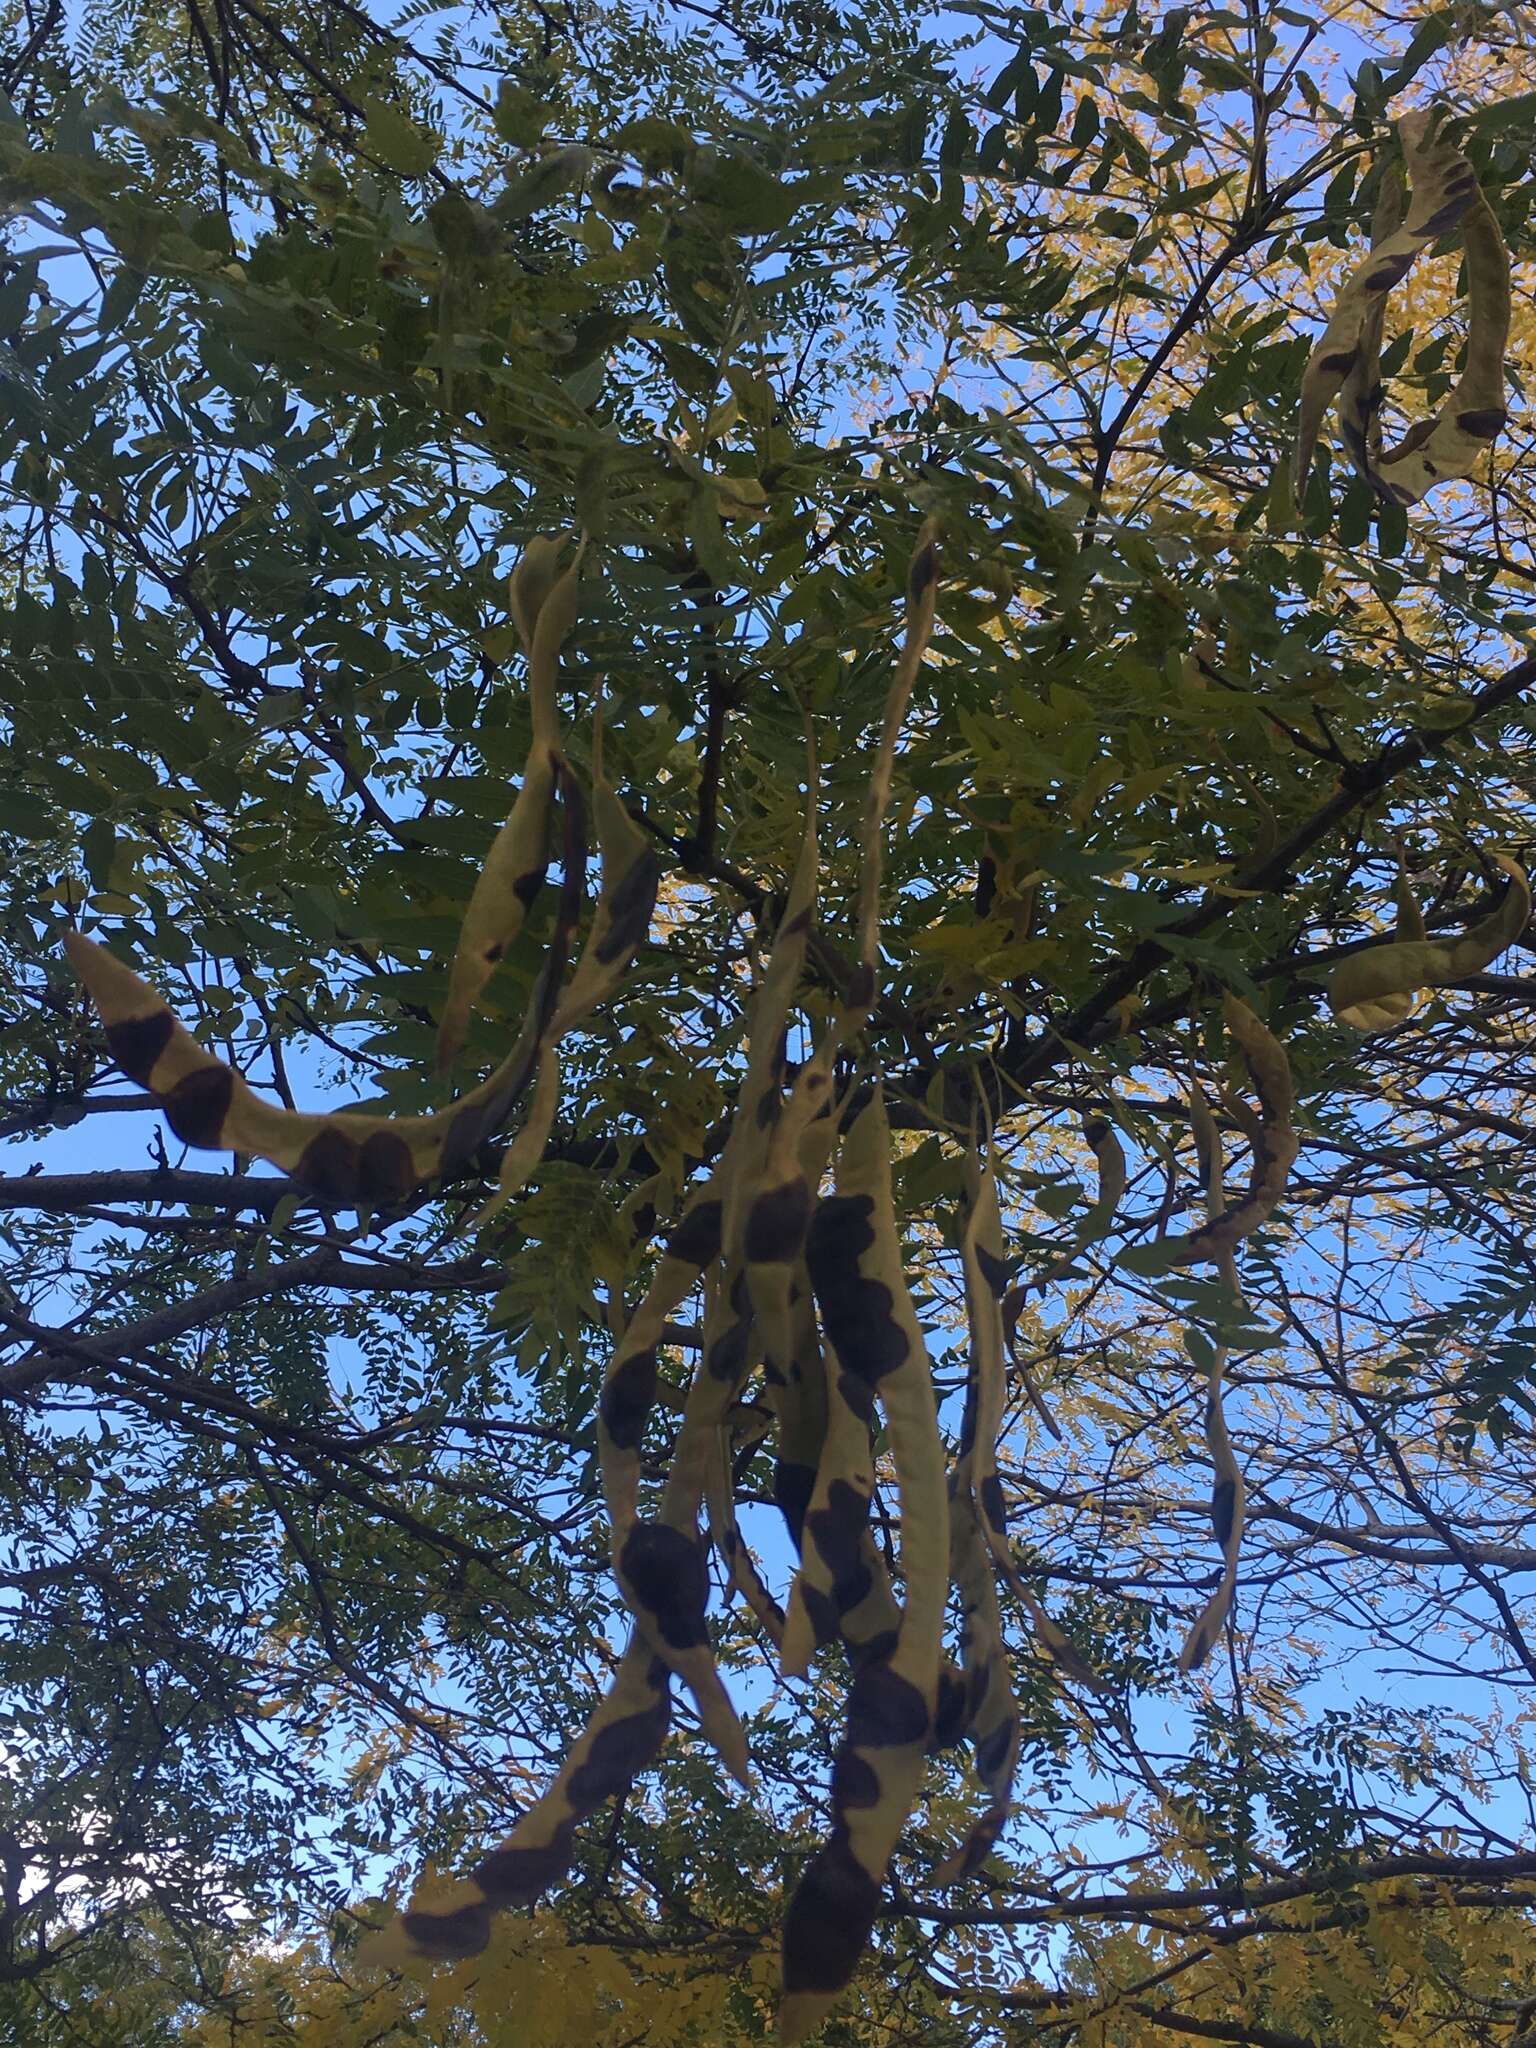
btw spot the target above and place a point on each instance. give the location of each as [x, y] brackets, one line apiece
[986, 1273]
[992, 1712]
[1228, 1493]
[801, 1403]
[544, 609]
[866, 1309]
[1109, 1155]
[1271, 1134]
[626, 900]
[622, 1737]
[344, 1155]
[629, 1387]
[1374, 990]
[1445, 196]
[662, 1566]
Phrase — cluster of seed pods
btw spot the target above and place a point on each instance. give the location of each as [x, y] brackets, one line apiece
[352, 1157]
[803, 1283]
[1344, 367]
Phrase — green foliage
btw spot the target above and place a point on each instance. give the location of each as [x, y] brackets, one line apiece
[307, 326]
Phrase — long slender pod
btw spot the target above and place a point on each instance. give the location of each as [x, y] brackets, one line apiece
[873, 1328]
[848, 1592]
[1272, 1136]
[1360, 394]
[629, 1386]
[342, 1155]
[1109, 1157]
[801, 1402]
[621, 1738]
[662, 1564]
[992, 1711]
[921, 607]
[839, 1569]
[626, 900]
[544, 608]
[1228, 1493]
[840, 1572]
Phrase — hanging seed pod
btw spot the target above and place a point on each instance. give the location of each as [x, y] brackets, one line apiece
[544, 609]
[629, 1387]
[992, 1712]
[1228, 1493]
[622, 1738]
[1375, 989]
[801, 1403]
[1271, 1134]
[856, 1269]
[625, 903]
[1445, 196]
[852, 1595]
[344, 1156]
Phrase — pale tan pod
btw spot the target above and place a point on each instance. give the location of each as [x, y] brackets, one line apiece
[855, 1259]
[345, 1156]
[544, 607]
[1374, 990]
[1445, 196]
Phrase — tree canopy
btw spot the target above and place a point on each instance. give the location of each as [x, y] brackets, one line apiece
[809, 733]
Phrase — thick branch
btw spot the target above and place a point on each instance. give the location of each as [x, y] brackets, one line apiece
[1243, 2031]
[1092, 1022]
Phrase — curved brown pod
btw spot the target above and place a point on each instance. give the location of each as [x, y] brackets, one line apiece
[1228, 1492]
[1272, 1136]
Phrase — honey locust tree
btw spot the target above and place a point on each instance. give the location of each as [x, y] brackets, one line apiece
[1028, 1100]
